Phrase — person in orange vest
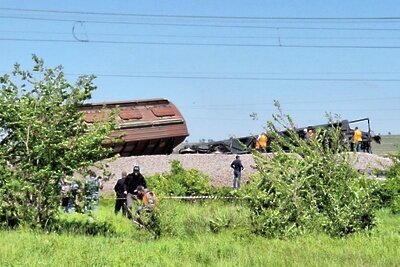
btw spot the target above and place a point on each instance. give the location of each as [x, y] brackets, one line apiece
[145, 212]
[357, 139]
[147, 197]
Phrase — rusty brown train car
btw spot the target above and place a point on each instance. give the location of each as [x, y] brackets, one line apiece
[147, 127]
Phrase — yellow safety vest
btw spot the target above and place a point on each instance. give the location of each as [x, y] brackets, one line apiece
[357, 137]
[263, 141]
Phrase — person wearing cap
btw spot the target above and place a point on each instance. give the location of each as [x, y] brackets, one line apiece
[132, 181]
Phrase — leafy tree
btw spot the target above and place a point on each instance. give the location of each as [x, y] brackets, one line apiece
[308, 185]
[47, 140]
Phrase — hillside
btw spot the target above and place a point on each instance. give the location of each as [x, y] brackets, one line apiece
[389, 144]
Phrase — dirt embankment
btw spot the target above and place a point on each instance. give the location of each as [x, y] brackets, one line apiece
[217, 166]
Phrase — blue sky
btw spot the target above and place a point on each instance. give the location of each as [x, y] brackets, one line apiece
[220, 61]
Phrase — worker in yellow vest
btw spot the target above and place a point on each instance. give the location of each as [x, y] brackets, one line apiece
[357, 139]
[262, 141]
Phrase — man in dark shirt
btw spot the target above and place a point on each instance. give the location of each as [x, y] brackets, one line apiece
[132, 181]
[237, 167]
[120, 201]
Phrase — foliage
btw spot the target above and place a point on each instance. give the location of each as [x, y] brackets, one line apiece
[180, 182]
[225, 248]
[77, 223]
[308, 185]
[391, 187]
[47, 140]
[189, 218]
[224, 191]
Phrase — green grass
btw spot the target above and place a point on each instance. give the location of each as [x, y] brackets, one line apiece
[389, 144]
[191, 240]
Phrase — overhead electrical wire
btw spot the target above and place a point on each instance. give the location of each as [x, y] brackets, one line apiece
[215, 36]
[247, 78]
[209, 77]
[201, 44]
[279, 37]
[196, 16]
[230, 73]
[363, 99]
[203, 25]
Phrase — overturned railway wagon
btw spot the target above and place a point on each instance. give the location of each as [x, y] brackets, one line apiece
[145, 127]
[245, 144]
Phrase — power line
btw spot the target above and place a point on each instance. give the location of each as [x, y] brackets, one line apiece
[196, 16]
[299, 102]
[204, 25]
[242, 78]
[215, 36]
[200, 44]
[337, 109]
[304, 102]
[238, 78]
[227, 73]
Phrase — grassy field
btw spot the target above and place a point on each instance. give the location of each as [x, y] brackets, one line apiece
[200, 234]
[389, 144]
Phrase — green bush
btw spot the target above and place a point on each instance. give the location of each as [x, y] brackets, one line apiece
[308, 186]
[180, 182]
[77, 223]
[391, 187]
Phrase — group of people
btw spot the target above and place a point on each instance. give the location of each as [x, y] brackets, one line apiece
[261, 143]
[358, 142]
[129, 189]
[71, 191]
[132, 187]
[309, 134]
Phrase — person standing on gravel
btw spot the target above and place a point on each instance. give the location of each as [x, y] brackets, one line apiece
[237, 167]
[120, 201]
[357, 139]
[132, 181]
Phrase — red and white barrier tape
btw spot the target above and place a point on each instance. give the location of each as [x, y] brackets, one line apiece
[184, 197]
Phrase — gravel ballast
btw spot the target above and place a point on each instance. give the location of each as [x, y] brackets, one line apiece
[217, 166]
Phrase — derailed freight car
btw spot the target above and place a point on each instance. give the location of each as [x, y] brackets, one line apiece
[144, 127]
[247, 143]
